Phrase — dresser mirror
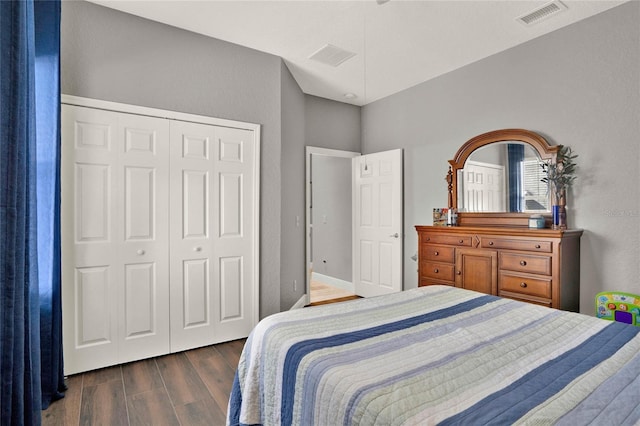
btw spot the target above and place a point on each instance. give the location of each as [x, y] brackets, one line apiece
[494, 178]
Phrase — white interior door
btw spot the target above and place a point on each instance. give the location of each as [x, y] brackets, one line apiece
[115, 237]
[377, 226]
[212, 234]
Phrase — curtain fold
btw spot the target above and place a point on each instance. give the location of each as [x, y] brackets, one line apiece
[515, 155]
[25, 142]
[19, 332]
[47, 74]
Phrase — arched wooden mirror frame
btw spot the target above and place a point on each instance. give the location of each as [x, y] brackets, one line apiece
[537, 142]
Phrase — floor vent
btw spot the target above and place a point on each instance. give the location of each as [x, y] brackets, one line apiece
[331, 55]
[540, 14]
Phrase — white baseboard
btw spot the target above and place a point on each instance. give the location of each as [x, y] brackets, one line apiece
[300, 303]
[336, 282]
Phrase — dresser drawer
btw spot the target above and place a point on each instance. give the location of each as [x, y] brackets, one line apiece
[452, 240]
[428, 281]
[524, 298]
[525, 263]
[438, 253]
[438, 271]
[539, 287]
[515, 244]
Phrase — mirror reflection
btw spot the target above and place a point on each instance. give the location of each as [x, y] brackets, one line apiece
[503, 177]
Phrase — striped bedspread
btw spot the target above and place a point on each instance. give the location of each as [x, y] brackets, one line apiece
[437, 355]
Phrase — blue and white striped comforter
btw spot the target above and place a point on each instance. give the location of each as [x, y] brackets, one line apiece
[437, 355]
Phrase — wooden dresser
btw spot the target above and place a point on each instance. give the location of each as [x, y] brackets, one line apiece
[539, 266]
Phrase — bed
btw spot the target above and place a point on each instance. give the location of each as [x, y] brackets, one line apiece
[437, 355]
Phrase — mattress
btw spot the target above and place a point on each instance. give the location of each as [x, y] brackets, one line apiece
[437, 355]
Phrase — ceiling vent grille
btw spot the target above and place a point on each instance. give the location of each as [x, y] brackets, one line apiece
[540, 14]
[331, 55]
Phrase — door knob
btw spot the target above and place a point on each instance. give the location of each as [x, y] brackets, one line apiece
[396, 235]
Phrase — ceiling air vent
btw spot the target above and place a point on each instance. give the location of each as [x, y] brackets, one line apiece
[331, 55]
[540, 14]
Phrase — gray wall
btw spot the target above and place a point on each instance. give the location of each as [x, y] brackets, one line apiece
[292, 261]
[331, 124]
[331, 201]
[578, 86]
[310, 121]
[119, 57]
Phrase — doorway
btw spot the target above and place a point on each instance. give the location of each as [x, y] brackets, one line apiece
[329, 225]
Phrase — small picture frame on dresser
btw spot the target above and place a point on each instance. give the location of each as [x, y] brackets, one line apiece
[440, 216]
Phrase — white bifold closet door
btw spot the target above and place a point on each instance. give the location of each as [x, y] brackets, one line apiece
[115, 238]
[211, 205]
[159, 238]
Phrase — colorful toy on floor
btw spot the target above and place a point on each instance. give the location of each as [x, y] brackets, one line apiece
[618, 306]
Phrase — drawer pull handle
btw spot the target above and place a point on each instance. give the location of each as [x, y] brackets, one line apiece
[140, 252]
[523, 263]
[523, 285]
[459, 272]
[428, 239]
[435, 253]
[490, 243]
[436, 270]
[537, 246]
[461, 241]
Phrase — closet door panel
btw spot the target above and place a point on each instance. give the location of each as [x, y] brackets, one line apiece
[234, 231]
[140, 306]
[191, 241]
[92, 209]
[196, 287]
[195, 204]
[143, 244]
[89, 227]
[231, 288]
[212, 208]
[115, 267]
[92, 289]
[140, 191]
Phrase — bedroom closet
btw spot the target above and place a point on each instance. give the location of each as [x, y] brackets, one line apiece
[160, 232]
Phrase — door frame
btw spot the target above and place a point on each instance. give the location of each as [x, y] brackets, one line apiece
[309, 152]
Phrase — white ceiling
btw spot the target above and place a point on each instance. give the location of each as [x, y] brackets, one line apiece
[398, 44]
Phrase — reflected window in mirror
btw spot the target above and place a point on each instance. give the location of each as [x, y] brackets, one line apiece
[502, 177]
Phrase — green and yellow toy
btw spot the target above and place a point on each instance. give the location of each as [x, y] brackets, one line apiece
[618, 306]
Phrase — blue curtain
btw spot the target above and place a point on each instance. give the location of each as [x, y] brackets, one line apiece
[21, 122]
[47, 72]
[515, 155]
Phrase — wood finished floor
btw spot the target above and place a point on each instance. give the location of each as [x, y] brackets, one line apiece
[322, 293]
[187, 388]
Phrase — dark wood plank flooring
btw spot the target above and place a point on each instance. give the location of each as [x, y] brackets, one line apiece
[187, 388]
